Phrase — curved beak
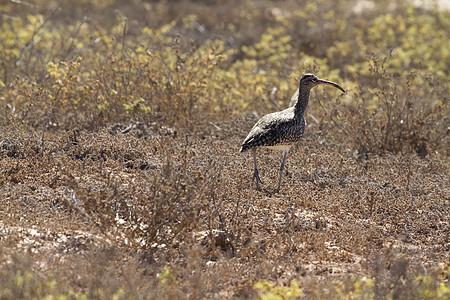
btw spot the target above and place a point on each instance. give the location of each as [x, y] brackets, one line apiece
[324, 82]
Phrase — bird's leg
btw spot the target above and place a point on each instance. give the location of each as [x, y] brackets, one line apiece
[289, 210]
[285, 153]
[255, 172]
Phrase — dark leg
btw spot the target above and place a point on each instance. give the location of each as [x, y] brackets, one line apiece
[255, 172]
[285, 153]
[289, 210]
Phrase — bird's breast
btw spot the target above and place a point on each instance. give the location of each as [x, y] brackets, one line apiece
[279, 147]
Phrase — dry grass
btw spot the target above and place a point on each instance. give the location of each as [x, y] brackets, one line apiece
[121, 205]
[121, 177]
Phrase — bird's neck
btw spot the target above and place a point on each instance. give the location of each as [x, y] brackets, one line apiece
[302, 102]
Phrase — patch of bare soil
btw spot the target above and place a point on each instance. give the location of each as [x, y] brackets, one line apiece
[132, 200]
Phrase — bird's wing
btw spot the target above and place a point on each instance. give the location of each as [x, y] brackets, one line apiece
[294, 98]
[267, 129]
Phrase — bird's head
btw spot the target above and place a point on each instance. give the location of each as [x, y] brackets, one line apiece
[309, 81]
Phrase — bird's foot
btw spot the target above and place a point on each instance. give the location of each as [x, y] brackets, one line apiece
[258, 179]
[289, 210]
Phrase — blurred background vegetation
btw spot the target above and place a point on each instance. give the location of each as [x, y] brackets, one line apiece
[72, 64]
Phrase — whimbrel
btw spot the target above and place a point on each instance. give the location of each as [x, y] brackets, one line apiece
[280, 130]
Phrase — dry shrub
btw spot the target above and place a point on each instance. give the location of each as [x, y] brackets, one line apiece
[393, 276]
[398, 115]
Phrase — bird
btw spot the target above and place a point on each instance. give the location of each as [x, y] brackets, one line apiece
[280, 130]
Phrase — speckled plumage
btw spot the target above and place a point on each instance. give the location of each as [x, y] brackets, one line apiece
[279, 130]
